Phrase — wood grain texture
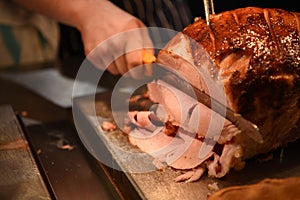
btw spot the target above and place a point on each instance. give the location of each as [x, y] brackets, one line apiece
[19, 174]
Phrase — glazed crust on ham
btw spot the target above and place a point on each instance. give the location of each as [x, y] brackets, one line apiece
[256, 55]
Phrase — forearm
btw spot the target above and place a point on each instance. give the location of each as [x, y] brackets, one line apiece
[70, 12]
[98, 21]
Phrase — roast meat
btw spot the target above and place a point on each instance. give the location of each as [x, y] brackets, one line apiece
[256, 56]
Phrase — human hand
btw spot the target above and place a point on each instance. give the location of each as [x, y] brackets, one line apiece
[115, 40]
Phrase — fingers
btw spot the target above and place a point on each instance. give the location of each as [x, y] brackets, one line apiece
[120, 64]
[134, 59]
[148, 58]
[102, 59]
[138, 47]
[123, 52]
[113, 68]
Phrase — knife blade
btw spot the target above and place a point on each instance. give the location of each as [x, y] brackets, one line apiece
[237, 119]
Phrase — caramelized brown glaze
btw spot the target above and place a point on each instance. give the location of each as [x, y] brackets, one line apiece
[257, 57]
[268, 37]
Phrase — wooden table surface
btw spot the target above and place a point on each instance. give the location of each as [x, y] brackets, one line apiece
[71, 174]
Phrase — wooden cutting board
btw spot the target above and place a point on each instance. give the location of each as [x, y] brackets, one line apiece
[19, 174]
[160, 184]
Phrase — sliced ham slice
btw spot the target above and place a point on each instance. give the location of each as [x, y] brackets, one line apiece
[193, 143]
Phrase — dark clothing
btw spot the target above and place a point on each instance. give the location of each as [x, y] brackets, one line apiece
[171, 14]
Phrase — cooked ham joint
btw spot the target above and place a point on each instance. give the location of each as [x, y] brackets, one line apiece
[254, 54]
